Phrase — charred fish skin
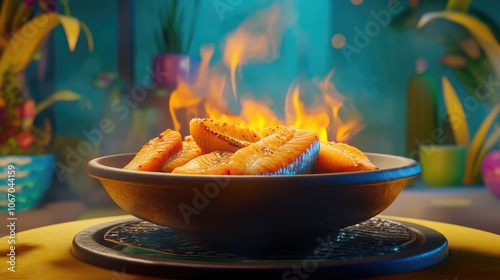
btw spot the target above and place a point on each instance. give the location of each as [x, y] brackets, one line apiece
[213, 135]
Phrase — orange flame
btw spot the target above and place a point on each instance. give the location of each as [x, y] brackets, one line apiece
[258, 39]
[301, 117]
[324, 115]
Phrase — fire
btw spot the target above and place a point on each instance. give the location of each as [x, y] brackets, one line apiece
[257, 39]
[215, 94]
[299, 116]
[254, 114]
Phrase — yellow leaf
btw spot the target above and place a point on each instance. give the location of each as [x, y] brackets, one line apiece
[63, 95]
[88, 34]
[478, 140]
[488, 145]
[456, 114]
[478, 29]
[20, 49]
[72, 29]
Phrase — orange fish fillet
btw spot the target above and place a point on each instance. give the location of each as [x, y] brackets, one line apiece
[153, 155]
[273, 129]
[215, 163]
[188, 152]
[340, 157]
[213, 135]
[287, 151]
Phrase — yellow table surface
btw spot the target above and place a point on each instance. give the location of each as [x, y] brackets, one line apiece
[44, 253]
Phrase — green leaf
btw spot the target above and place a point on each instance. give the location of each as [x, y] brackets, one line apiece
[63, 95]
[455, 110]
[476, 143]
[481, 32]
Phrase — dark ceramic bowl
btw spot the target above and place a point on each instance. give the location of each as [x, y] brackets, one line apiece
[254, 214]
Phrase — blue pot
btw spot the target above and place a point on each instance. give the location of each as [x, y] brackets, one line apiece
[27, 178]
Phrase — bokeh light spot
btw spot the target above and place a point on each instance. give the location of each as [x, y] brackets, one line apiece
[338, 41]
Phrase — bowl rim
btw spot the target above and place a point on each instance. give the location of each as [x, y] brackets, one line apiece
[408, 168]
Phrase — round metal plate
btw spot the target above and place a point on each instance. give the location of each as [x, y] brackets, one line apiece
[375, 247]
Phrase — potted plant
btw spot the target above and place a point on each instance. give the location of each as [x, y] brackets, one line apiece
[485, 138]
[24, 146]
[173, 40]
[472, 52]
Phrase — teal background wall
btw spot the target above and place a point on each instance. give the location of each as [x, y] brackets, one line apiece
[79, 69]
[374, 79]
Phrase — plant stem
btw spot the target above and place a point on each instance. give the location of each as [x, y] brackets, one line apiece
[6, 14]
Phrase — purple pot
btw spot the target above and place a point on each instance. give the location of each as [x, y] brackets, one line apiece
[169, 68]
[490, 169]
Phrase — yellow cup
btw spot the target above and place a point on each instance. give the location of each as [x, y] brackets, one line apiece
[442, 165]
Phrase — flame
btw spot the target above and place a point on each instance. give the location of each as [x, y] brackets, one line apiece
[301, 117]
[257, 39]
[254, 114]
[215, 95]
[324, 115]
